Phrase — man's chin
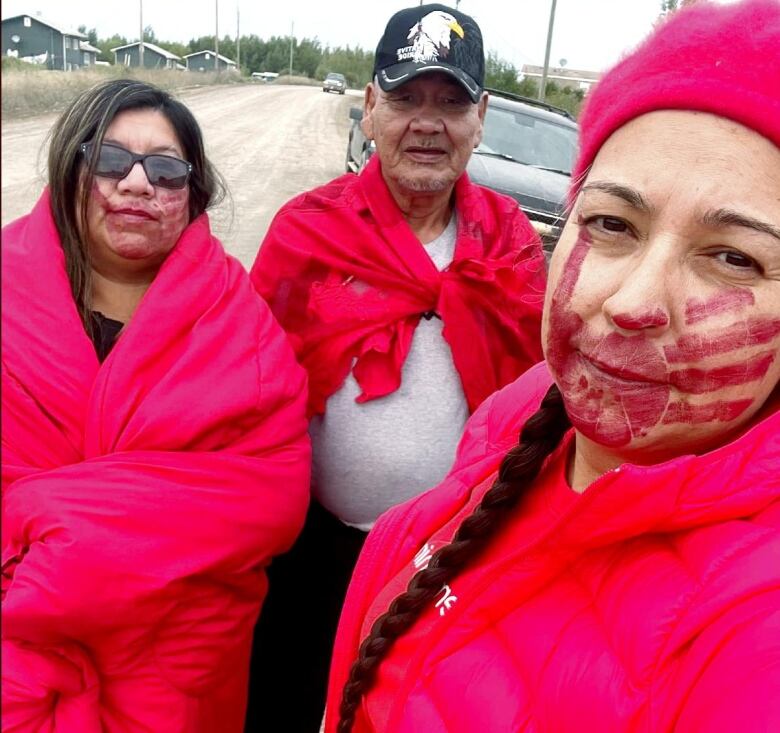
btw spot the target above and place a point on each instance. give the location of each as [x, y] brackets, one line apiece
[426, 184]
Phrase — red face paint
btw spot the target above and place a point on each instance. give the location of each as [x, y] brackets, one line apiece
[174, 213]
[618, 387]
[692, 347]
[697, 309]
[701, 381]
[604, 401]
[171, 203]
[632, 322]
[720, 411]
[634, 373]
[631, 358]
[136, 227]
[564, 322]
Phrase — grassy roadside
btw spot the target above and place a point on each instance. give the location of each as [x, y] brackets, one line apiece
[28, 91]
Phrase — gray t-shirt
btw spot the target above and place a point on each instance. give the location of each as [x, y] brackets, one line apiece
[371, 456]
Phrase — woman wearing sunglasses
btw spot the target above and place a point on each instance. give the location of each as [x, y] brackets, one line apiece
[605, 553]
[155, 454]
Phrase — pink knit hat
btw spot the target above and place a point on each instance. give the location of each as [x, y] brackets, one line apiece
[722, 59]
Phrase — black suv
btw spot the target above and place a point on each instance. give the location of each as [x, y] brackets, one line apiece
[527, 152]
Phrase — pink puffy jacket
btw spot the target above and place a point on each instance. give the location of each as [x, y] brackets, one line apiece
[142, 497]
[649, 603]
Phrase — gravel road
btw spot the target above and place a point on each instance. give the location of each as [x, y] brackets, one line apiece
[268, 142]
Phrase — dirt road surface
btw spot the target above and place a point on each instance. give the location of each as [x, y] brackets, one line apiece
[268, 142]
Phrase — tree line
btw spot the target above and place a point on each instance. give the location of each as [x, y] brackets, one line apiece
[309, 57]
[313, 60]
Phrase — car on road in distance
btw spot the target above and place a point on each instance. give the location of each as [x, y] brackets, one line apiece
[266, 76]
[527, 152]
[334, 82]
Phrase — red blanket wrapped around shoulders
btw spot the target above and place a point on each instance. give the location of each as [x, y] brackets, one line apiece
[348, 279]
[142, 497]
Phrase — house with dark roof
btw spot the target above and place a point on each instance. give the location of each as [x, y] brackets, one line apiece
[209, 61]
[89, 53]
[35, 39]
[154, 56]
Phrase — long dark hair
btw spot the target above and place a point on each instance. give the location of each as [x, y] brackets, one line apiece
[88, 118]
[540, 435]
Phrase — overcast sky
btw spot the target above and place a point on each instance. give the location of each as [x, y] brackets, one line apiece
[589, 34]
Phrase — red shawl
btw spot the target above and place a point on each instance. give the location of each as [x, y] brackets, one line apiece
[348, 279]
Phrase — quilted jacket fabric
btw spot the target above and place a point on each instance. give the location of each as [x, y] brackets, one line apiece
[142, 497]
[649, 603]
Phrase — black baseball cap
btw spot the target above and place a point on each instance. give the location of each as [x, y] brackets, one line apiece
[429, 38]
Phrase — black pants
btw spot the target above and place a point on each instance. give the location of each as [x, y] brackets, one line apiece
[294, 636]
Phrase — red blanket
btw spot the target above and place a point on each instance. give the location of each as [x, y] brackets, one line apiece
[141, 497]
[348, 279]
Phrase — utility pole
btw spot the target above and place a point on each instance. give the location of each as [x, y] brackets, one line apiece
[547, 51]
[141, 44]
[292, 37]
[238, 39]
[216, 34]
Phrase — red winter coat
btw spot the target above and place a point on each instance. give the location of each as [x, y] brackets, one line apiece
[142, 497]
[348, 280]
[649, 603]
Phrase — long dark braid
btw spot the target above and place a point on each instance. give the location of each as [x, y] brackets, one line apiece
[540, 435]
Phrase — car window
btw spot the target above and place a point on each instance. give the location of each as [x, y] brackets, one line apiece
[527, 139]
[338, 77]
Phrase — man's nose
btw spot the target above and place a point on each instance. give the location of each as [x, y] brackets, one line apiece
[427, 120]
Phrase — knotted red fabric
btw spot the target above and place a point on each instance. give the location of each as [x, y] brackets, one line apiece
[348, 280]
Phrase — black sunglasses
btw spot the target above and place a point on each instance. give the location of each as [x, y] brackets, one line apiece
[114, 161]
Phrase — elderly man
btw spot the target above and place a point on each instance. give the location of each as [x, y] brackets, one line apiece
[410, 295]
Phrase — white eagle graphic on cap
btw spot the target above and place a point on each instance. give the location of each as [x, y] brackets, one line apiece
[430, 36]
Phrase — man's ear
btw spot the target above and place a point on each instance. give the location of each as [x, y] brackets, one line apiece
[481, 111]
[482, 106]
[369, 102]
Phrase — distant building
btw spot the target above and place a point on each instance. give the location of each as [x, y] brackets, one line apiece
[89, 54]
[31, 38]
[571, 78]
[154, 56]
[209, 61]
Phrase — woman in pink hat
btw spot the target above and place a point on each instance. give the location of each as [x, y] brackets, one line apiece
[605, 555]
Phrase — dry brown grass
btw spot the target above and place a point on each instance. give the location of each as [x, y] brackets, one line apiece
[296, 80]
[34, 92]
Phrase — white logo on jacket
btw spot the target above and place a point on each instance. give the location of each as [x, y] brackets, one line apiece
[447, 599]
[423, 557]
[420, 562]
